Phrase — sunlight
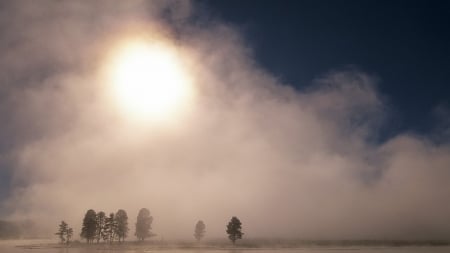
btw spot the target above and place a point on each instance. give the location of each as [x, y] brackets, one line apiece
[149, 81]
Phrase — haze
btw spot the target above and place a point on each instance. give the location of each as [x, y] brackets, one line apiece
[288, 163]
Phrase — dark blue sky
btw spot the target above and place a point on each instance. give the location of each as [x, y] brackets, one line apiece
[406, 44]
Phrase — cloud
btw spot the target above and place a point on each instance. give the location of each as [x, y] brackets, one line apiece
[286, 162]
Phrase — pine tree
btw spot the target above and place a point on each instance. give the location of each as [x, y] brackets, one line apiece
[110, 228]
[107, 231]
[122, 224]
[62, 231]
[143, 224]
[89, 226]
[234, 229]
[65, 232]
[100, 221]
[199, 230]
[69, 234]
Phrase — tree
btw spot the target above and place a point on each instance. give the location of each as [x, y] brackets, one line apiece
[69, 234]
[110, 228]
[143, 224]
[89, 226]
[234, 229]
[122, 224]
[64, 232]
[106, 231]
[100, 221]
[199, 230]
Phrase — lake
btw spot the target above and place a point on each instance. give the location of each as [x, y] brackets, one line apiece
[20, 246]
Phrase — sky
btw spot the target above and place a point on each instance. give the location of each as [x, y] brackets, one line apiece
[403, 43]
[306, 119]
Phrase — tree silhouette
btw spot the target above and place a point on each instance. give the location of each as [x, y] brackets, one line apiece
[143, 224]
[69, 235]
[199, 230]
[100, 221]
[234, 229]
[64, 232]
[122, 224]
[89, 226]
[110, 228]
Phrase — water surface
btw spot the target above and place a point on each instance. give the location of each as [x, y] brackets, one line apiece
[21, 246]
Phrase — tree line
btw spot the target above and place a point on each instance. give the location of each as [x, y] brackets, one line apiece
[97, 226]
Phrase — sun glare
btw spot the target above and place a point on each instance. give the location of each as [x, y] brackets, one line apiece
[149, 80]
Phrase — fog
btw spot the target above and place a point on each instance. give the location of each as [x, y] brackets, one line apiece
[288, 163]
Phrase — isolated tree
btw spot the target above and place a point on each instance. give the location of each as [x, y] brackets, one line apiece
[110, 228]
[199, 230]
[65, 232]
[100, 221]
[122, 224]
[89, 226]
[234, 228]
[62, 231]
[143, 224]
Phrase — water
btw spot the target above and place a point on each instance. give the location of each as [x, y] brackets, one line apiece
[11, 247]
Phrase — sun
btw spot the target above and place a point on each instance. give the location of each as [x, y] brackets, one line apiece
[148, 80]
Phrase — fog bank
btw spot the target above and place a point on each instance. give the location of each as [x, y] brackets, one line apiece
[288, 163]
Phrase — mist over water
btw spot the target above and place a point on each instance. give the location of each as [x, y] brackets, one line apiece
[288, 163]
[10, 246]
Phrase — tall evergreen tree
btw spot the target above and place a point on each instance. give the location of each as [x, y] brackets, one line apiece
[100, 221]
[234, 229]
[62, 231]
[199, 230]
[122, 224]
[143, 224]
[89, 226]
[69, 235]
[106, 231]
[110, 228]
